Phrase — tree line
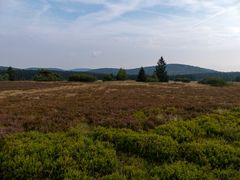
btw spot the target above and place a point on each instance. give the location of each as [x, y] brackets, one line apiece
[160, 75]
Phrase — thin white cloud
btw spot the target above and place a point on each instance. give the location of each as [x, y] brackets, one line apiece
[105, 38]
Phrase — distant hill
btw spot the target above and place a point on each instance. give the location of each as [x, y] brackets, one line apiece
[173, 69]
[81, 69]
[2, 68]
[105, 71]
[50, 69]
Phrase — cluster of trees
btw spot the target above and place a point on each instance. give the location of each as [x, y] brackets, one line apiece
[44, 75]
[160, 74]
[9, 75]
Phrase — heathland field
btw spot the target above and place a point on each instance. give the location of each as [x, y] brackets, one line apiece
[119, 130]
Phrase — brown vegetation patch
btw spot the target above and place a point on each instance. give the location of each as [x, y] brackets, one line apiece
[57, 107]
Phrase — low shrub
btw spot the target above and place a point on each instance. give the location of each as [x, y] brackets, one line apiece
[82, 78]
[150, 146]
[132, 172]
[179, 170]
[232, 174]
[213, 81]
[184, 80]
[214, 153]
[151, 79]
[109, 77]
[114, 176]
[216, 125]
[55, 156]
[181, 131]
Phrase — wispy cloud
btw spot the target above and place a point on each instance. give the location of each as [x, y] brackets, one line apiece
[128, 33]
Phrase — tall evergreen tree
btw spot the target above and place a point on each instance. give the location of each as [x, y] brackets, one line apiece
[161, 71]
[11, 74]
[121, 75]
[141, 75]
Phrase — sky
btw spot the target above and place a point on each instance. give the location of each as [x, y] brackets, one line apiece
[119, 33]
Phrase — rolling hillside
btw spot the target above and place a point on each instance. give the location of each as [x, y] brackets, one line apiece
[173, 69]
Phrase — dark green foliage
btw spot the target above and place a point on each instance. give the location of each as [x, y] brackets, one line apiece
[11, 74]
[133, 172]
[141, 75]
[45, 75]
[182, 131]
[152, 79]
[82, 78]
[109, 77]
[231, 174]
[180, 170]
[115, 176]
[215, 153]
[149, 146]
[219, 82]
[55, 156]
[220, 125]
[183, 79]
[122, 75]
[161, 71]
[237, 79]
[206, 147]
[4, 77]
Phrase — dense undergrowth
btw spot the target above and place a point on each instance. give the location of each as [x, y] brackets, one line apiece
[206, 147]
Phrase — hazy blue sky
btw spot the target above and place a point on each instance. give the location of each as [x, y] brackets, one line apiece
[120, 33]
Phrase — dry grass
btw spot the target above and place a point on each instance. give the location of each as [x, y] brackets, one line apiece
[57, 106]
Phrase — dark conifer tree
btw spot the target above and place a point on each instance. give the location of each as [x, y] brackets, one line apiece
[141, 75]
[161, 71]
[11, 74]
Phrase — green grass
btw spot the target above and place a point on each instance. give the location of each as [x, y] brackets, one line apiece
[206, 147]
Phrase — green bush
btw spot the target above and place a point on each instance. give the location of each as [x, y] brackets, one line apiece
[151, 79]
[150, 146]
[4, 77]
[45, 75]
[213, 153]
[56, 156]
[181, 131]
[82, 78]
[224, 126]
[180, 170]
[132, 172]
[183, 79]
[231, 174]
[109, 77]
[213, 81]
[114, 176]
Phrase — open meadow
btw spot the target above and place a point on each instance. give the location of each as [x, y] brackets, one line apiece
[119, 130]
